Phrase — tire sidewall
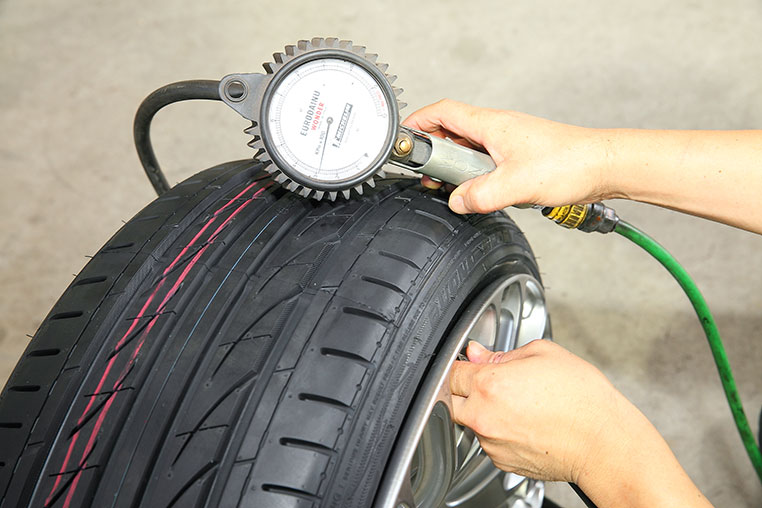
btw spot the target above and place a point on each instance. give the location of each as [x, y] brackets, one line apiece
[486, 249]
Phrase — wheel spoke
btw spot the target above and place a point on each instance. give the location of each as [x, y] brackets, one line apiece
[485, 329]
[471, 479]
[523, 492]
[511, 301]
[533, 316]
[437, 460]
[468, 446]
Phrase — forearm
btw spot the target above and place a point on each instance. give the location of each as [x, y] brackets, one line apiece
[712, 174]
[632, 466]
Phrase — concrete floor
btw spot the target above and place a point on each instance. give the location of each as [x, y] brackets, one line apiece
[73, 73]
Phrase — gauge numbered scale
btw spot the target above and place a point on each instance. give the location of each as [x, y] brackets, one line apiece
[327, 118]
[344, 117]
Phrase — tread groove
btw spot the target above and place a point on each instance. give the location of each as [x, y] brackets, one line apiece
[44, 352]
[348, 355]
[383, 283]
[89, 416]
[289, 298]
[331, 212]
[313, 397]
[306, 445]
[25, 388]
[54, 496]
[110, 394]
[71, 472]
[202, 429]
[289, 491]
[238, 384]
[435, 218]
[119, 246]
[401, 259]
[328, 240]
[184, 261]
[193, 479]
[147, 218]
[66, 315]
[356, 311]
[131, 337]
[190, 181]
[416, 234]
[91, 280]
[439, 200]
[164, 197]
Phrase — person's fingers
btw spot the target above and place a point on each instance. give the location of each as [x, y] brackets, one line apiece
[429, 183]
[457, 203]
[477, 353]
[483, 194]
[459, 412]
[458, 118]
[462, 141]
[478, 196]
[462, 377]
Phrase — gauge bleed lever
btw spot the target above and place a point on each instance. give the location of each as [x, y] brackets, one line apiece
[439, 158]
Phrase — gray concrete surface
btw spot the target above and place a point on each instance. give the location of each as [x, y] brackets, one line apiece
[72, 74]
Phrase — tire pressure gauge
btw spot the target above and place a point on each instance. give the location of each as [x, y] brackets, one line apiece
[326, 115]
[330, 121]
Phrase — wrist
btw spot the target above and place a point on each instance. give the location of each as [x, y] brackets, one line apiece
[608, 463]
[630, 464]
[608, 164]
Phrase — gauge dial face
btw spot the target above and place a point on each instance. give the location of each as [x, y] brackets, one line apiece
[328, 120]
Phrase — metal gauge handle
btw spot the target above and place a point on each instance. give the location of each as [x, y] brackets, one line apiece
[438, 158]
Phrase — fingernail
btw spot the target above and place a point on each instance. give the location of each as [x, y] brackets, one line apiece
[457, 204]
[475, 350]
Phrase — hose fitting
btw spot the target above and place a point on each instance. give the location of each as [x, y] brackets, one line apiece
[588, 218]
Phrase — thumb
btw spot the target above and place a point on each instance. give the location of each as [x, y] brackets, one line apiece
[477, 353]
[483, 194]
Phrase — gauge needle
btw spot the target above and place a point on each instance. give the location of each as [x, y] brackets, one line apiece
[329, 121]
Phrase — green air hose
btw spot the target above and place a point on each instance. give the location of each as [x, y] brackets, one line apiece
[710, 329]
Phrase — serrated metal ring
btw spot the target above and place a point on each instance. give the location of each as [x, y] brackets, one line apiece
[295, 55]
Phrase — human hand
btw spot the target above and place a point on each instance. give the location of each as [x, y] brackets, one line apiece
[542, 412]
[537, 410]
[538, 161]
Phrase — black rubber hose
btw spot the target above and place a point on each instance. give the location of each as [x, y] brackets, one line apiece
[168, 94]
[588, 502]
[547, 503]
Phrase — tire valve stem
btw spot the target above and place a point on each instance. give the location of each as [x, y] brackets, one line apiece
[588, 218]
